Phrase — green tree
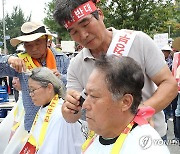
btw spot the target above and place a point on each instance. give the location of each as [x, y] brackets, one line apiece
[52, 25]
[146, 15]
[13, 22]
[149, 16]
[174, 22]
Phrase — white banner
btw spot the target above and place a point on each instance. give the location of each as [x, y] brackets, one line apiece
[161, 39]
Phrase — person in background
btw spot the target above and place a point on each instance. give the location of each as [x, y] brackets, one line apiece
[84, 22]
[19, 111]
[13, 124]
[50, 133]
[20, 48]
[169, 59]
[4, 83]
[10, 89]
[176, 46]
[114, 92]
[167, 54]
[177, 111]
[169, 111]
[58, 47]
[34, 38]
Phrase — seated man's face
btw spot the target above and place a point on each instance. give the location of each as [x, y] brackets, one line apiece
[102, 112]
[36, 49]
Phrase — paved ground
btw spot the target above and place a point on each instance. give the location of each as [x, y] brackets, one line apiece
[174, 149]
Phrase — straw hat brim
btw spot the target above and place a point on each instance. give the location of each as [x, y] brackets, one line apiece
[176, 44]
[27, 38]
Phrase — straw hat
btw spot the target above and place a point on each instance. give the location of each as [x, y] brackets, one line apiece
[176, 44]
[30, 32]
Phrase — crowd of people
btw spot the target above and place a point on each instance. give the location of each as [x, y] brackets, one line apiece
[122, 75]
[169, 111]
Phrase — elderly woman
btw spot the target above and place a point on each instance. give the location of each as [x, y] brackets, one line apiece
[50, 133]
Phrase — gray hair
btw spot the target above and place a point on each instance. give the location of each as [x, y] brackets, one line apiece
[44, 76]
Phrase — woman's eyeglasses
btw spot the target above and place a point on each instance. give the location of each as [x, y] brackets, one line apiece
[31, 91]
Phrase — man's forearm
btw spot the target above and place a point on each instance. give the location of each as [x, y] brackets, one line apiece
[163, 96]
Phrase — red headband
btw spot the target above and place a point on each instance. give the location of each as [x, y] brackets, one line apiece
[81, 12]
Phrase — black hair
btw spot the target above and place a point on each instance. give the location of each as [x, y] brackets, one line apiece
[123, 75]
[64, 9]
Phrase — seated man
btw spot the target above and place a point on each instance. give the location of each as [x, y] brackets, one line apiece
[114, 92]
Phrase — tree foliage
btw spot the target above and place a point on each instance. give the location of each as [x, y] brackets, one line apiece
[150, 16]
[52, 25]
[13, 22]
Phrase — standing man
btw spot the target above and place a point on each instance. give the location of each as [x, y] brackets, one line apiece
[84, 21]
[37, 54]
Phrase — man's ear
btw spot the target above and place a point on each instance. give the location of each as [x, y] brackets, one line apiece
[127, 101]
[101, 15]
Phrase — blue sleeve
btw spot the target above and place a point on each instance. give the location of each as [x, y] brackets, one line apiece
[62, 62]
[5, 69]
